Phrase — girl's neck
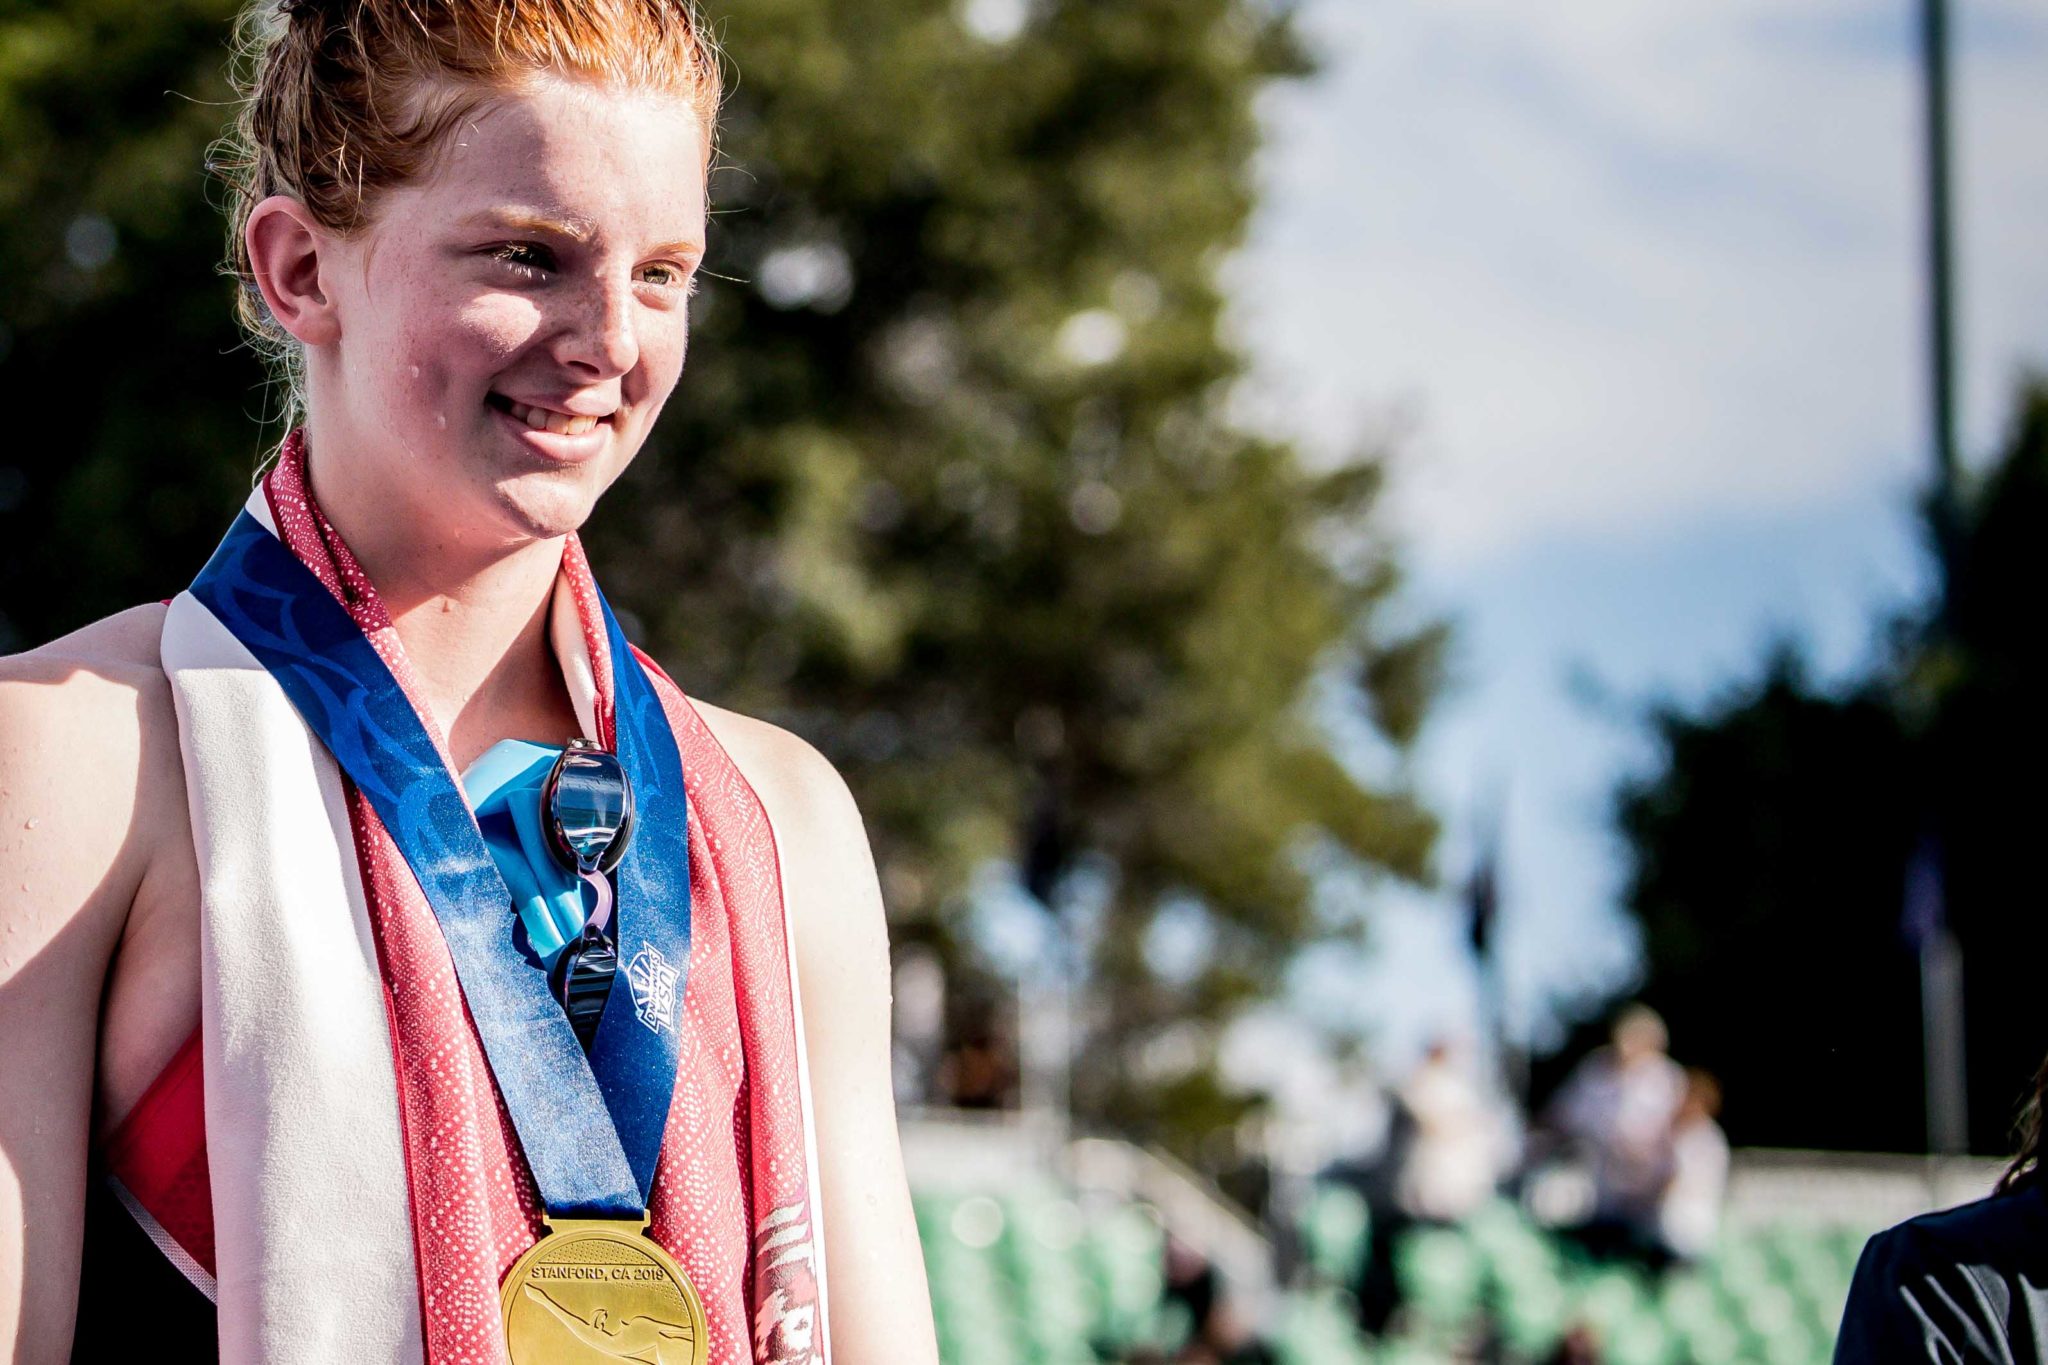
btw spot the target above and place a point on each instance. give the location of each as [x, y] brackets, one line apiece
[474, 621]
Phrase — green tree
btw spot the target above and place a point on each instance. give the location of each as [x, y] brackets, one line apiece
[1769, 853]
[111, 314]
[1770, 849]
[950, 486]
[1973, 697]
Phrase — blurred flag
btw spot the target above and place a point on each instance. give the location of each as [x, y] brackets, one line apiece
[1923, 922]
[1923, 917]
[1047, 847]
[1482, 894]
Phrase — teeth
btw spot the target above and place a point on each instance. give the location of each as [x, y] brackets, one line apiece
[543, 419]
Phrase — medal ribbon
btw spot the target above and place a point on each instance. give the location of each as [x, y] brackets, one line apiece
[591, 1127]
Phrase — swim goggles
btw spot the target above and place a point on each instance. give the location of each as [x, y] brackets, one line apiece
[586, 807]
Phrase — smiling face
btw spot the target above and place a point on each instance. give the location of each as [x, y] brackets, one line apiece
[506, 330]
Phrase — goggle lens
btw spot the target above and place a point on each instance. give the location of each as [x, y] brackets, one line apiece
[589, 808]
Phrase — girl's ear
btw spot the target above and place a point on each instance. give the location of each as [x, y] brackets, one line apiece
[284, 245]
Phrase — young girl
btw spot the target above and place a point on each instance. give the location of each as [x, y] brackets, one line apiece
[424, 976]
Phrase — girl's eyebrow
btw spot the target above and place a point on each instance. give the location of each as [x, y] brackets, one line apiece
[533, 220]
[687, 250]
[578, 230]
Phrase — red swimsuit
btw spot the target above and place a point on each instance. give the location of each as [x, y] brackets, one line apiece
[157, 1160]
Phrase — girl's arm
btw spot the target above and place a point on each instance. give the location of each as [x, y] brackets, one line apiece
[880, 1306]
[82, 724]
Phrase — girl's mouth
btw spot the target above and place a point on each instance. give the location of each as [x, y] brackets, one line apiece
[545, 419]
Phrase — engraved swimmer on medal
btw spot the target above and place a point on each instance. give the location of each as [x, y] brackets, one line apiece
[642, 1338]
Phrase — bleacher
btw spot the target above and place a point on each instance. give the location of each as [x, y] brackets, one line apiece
[1029, 1269]
[1770, 1295]
[1037, 1276]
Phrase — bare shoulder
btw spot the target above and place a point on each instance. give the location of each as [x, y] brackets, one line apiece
[87, 736]
[113, 657]
[84, 707]
[98, 878]
[828, 870]
[805, 795]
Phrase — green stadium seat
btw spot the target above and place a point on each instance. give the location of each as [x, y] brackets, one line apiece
[1125, 1251]
[1712, 1341]
[1641, 1338]
[1611, 1298]
[1030, 1277]
[1533, 1314]
[1316, 1327]
[1334, 1227]
[1770, 1311]
[1440, 1274]
[1042, 1249]
[1412, 1353]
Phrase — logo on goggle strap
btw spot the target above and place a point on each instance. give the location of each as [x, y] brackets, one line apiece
[654, 988]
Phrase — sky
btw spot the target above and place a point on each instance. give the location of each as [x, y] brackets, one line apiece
[1633, 294]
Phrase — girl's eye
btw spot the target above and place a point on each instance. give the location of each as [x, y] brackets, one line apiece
[668, 277]
[527, 259]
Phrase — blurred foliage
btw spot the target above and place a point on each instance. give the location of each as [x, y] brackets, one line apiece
[1770, 851]
[111, 313]
[1768, 875]
[950, 486]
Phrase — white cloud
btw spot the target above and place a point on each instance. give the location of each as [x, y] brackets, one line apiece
[1630, 263]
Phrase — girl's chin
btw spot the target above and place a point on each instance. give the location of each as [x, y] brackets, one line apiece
[544, 505]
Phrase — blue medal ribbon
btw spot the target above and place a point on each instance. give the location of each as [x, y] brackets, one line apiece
[591, 1126]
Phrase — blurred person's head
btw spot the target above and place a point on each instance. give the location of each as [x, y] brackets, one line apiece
[1702, 1102]
[1580, 1345]
[468, 230]
[2025, 1169]
[1442, 1050]
[1639, 1035]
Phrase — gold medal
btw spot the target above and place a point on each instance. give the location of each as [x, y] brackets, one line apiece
[600, 1289]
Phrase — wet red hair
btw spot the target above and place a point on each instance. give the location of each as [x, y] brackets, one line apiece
[343, 99]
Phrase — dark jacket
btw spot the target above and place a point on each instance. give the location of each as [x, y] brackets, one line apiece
[1966, 1285]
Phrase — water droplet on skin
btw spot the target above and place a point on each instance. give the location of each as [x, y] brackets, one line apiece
[32, 824]
[441, 421]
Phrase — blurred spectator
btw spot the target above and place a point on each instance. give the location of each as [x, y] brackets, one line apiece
[1456, 1139]
[1617, 1109]
[979, 1071]
[1447, 1147]
[1191, 1282]
[1689, 1218]
[1578, 1346]
[1216, 1336]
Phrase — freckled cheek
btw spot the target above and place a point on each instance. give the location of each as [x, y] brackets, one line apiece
[454, 360]
[663, 349]
[492, 331]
